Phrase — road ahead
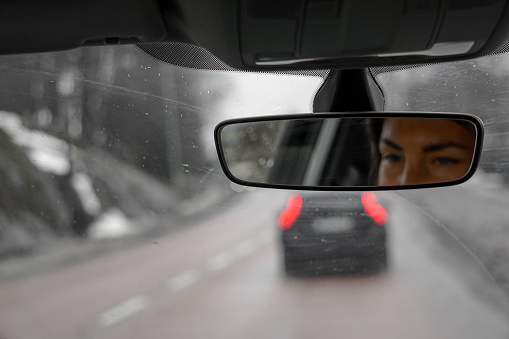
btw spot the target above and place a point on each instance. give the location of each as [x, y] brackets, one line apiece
[221, 278]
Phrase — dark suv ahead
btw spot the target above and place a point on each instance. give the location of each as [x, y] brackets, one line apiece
[321, 235]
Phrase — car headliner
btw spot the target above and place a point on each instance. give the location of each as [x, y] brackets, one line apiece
[32, 26]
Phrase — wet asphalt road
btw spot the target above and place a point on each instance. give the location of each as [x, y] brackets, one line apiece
[222, 278]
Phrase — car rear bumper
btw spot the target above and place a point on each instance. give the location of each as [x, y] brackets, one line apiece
[332, 254]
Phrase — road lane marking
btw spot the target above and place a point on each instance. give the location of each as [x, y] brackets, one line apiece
[123, 310]
[136, 304]
[245, 248]
[220, 261]
[183, 280]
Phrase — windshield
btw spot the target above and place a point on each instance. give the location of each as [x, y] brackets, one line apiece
[116, 220]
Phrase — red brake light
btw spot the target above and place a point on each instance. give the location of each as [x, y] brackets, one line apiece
[373, 208]
[290, 213]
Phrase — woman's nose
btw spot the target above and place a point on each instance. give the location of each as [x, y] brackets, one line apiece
[414, 173]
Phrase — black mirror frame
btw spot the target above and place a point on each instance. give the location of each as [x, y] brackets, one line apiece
[437, 115]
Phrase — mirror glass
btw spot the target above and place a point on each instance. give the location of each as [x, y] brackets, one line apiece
[337, 151]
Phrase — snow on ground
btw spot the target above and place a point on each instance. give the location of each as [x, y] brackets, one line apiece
[486, 180]
[46, 152]
[82, 185]
[111, 224]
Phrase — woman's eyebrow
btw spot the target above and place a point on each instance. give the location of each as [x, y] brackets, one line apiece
[392, 144]
[440, 146]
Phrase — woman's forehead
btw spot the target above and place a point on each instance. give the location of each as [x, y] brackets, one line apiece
[425, 130]
[420, 125]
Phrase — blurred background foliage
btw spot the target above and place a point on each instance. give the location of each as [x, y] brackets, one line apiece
[130, 125]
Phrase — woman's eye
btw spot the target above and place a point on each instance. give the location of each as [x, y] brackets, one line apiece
[446, 161]
[391, 157]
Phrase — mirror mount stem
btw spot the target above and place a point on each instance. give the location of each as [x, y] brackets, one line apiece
[351, 90]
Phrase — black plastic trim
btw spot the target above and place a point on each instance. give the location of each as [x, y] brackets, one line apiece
[463, 116]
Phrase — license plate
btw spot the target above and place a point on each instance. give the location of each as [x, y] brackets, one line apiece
[333, 225]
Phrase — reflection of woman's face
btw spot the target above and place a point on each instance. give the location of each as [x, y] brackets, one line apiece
[418, 151]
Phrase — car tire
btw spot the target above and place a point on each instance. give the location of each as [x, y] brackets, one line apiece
[290, 264]
[380, 262]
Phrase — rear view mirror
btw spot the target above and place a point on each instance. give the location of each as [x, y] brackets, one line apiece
[357, 151]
